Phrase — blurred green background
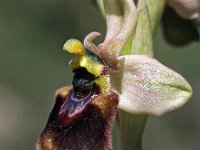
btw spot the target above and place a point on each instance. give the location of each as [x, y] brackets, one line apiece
[33, 65]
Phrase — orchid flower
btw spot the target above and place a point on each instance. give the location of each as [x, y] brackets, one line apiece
[83, 114]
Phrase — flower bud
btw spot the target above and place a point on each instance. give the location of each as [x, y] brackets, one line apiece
[189, 9]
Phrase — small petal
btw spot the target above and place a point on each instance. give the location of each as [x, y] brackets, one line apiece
[106, 50]
[88, 42]
[121, 19]
[148, 87]
[141, 45]
[189, 9]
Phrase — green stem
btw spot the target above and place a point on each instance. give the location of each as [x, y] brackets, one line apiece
[132, 127]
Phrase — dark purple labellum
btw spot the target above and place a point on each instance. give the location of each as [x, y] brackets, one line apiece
[81, 118]
[74, 104]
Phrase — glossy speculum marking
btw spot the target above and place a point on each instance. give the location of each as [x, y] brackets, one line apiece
[84, 90]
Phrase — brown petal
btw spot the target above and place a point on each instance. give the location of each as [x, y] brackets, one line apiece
[90, 129]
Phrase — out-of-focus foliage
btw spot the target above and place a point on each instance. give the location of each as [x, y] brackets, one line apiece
[33, 66]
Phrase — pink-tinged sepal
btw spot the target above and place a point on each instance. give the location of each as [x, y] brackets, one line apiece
[146, 86]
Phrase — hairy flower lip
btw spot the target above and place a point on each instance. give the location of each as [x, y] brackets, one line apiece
[76, 105]
[90, 129]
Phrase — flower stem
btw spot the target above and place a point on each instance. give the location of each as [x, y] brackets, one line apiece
[132, 127]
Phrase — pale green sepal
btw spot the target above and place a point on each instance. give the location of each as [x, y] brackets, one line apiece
[155, 12]
[146, 86]
[127, 47]
[141, 45]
